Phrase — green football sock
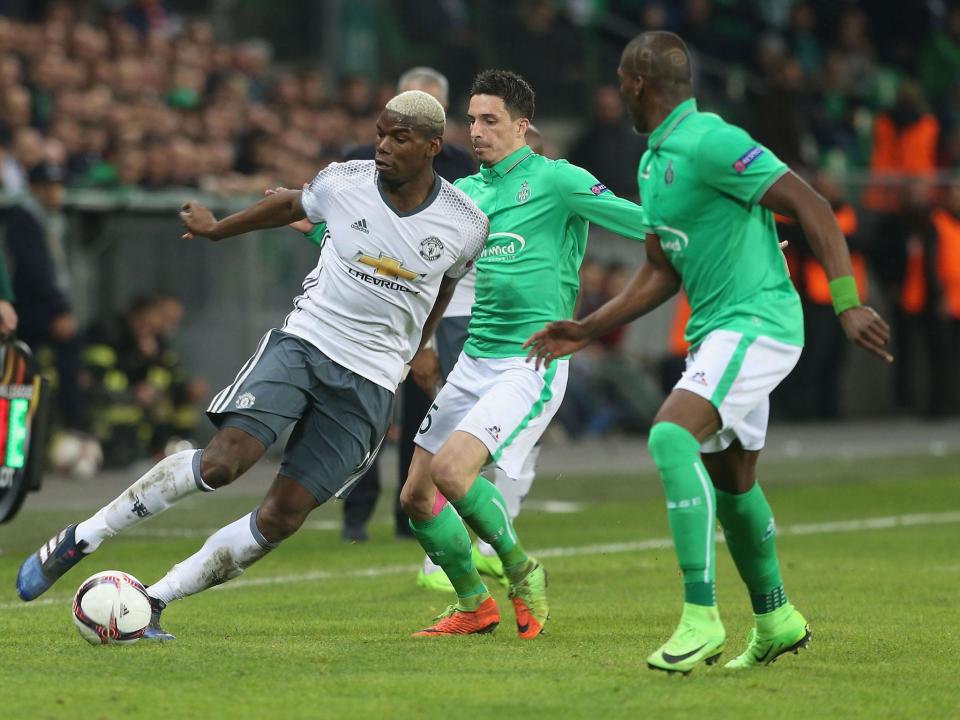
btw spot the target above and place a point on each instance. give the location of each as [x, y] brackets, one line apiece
[447, 543]
[690, 508]
[751, 534]
[484, 510]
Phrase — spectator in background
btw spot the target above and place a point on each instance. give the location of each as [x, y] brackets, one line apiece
[781, 112]
[609, 148]
[853, 41]
[35, 244]
[606, 389]
[144, 401]
[945, 291]
[812, 391]
[905, 139]
[939, 63]
[802, 38]
[8, 313]
[117, 360]
[904, 260]
[174, 418]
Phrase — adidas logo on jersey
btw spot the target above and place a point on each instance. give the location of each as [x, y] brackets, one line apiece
[361, 225]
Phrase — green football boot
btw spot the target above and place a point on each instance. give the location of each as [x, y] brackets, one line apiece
[489, 565]
[698, 638]
[436, 580]
[781, 631]
[529, 597]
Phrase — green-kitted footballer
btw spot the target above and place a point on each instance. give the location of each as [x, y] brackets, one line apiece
[709, 193]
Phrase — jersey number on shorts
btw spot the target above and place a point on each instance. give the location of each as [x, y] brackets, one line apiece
[428, 420]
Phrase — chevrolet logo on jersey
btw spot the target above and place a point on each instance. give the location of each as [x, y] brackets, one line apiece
[387, 266]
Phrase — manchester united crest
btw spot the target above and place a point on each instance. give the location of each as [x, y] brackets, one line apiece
[431, 248]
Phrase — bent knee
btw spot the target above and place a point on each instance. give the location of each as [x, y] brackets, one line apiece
[417, 502]
[218, 468]
[669, 442]
[278, 523]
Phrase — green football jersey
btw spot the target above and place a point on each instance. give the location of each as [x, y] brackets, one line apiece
[528, 274]
[700, 183]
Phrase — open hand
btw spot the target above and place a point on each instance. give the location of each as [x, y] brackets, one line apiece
[556, 340]
[864, 327]
[198, 220]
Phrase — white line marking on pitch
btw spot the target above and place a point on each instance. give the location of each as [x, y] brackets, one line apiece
[558, 507]
[839, 526]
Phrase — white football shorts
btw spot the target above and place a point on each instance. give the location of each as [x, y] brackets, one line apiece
[503, 402]
[736, 373]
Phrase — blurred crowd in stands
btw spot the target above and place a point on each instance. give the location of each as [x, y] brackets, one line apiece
[861, 98]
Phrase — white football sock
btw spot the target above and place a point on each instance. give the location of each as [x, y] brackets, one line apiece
[225, 554]
[173, 478]
[429, 566]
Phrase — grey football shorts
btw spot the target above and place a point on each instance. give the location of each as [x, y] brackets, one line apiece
[340, 417]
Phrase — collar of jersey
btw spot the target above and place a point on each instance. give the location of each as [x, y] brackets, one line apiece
[505, 165]
[431, 196]
[670, 122]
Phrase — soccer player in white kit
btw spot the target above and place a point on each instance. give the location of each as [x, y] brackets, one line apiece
[398, 239]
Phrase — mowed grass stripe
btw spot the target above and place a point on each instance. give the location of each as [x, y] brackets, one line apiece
[824, 528]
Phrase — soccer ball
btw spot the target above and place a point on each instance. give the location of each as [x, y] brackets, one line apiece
[110, 608]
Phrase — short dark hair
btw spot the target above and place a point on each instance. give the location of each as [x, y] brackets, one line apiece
[516, 93]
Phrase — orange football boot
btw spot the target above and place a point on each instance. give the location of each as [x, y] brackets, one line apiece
[455, 621]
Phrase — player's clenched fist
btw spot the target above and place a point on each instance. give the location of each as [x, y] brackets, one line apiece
[556, 340]
[198, 220]
[867, 329]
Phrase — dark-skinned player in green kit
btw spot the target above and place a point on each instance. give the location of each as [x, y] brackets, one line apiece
[709, 193]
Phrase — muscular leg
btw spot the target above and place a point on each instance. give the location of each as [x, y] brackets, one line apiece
[748, 525]
[234, 548]
[455, 471]
[679, 428]
[514, 490]
[230, 453]
[443, 536]
[683, 422]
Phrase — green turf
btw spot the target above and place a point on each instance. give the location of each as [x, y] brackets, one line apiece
[882, 604]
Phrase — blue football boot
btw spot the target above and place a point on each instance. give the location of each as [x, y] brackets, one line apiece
[42, 569]
[154, 632]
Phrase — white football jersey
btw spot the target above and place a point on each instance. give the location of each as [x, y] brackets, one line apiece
[365, 303]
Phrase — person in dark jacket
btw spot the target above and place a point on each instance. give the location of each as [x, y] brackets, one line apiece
[40, 284]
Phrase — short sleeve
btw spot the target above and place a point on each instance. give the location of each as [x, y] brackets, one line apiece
[476, 229]
[315, 196]
[735, 164]
[589, 198]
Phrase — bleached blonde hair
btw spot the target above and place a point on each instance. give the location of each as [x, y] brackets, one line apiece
[423, 108]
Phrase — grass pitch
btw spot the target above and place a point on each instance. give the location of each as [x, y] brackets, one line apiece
[320, 628]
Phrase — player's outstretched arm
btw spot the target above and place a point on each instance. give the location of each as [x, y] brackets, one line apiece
[792, 197]
[653, 284]
[304, 226]
[275, 210]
